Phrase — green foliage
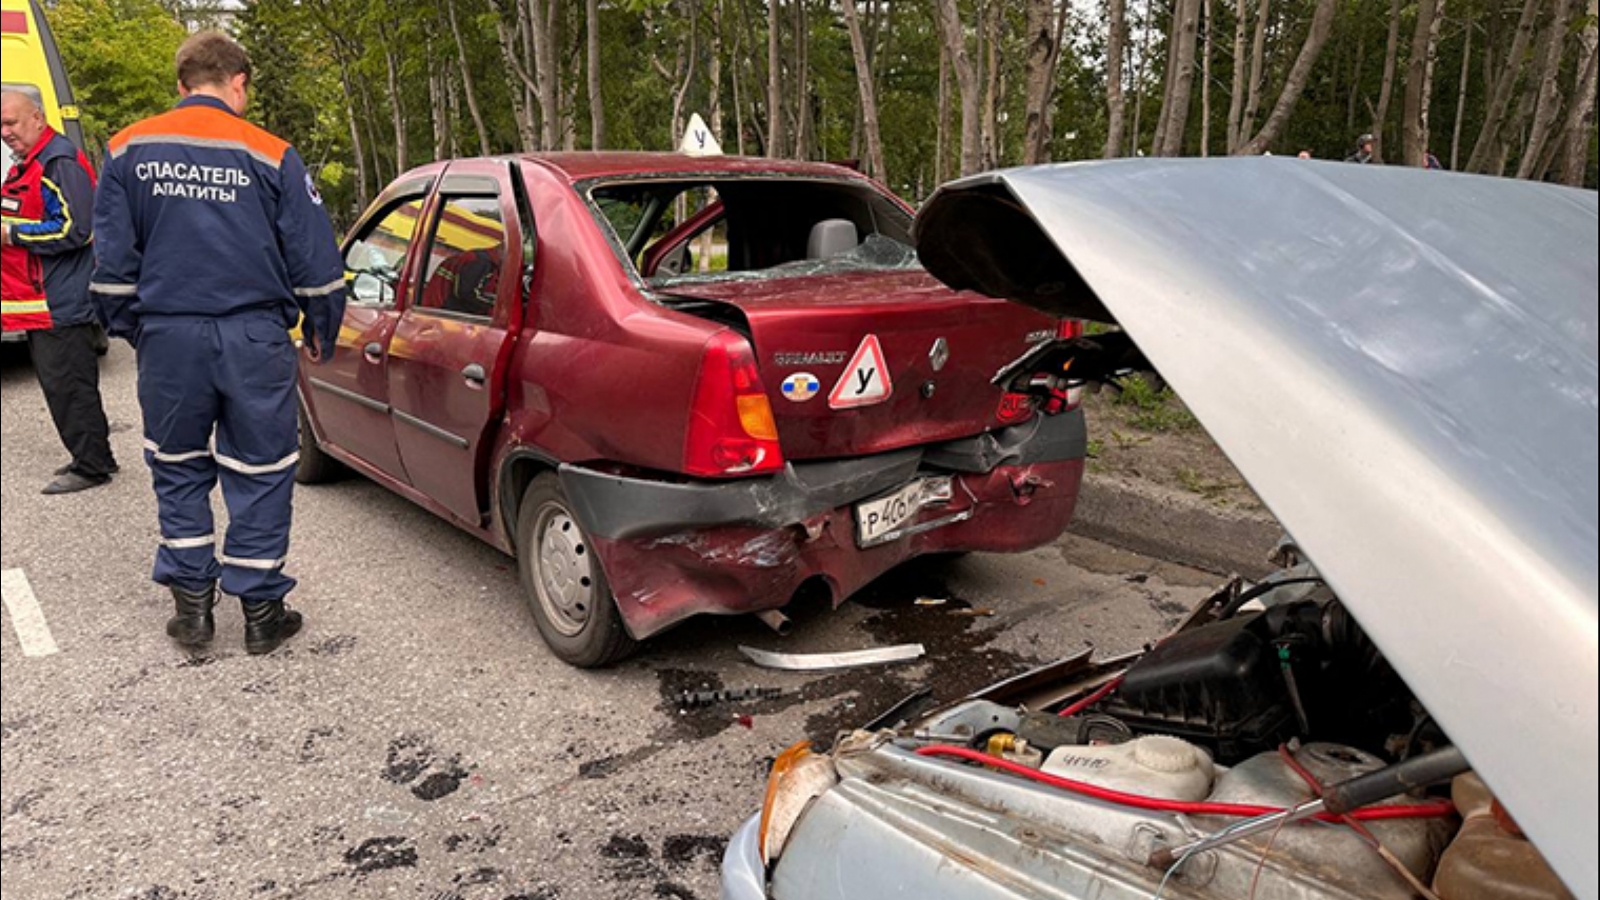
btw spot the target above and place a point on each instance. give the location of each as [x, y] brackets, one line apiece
[322, 77]
[119, 54]
[1151, 409]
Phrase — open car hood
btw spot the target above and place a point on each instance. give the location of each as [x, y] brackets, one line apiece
[1403, 364]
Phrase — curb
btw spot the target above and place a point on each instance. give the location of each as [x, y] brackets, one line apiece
[1175, 526]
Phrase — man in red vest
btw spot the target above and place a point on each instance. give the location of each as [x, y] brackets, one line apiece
[48, 206]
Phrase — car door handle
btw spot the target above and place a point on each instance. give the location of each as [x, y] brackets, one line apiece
[475, 375]
[373, 352]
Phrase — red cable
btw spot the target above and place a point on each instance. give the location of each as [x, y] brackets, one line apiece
[1311, 781]
[1156, 804]
[1104, 692]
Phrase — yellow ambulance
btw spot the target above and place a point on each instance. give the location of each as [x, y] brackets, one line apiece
[30, 63]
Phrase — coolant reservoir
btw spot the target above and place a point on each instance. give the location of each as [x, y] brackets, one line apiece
[1489, 862]
[1155, 766]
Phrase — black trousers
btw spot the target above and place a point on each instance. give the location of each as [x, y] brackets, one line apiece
[69, 372]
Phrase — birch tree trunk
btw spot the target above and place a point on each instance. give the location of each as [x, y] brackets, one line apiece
[1548, 107]
[397, 111]
[543, 30]
[1175, 112]
[1136, 137]
[1295, 84]
[1174, 26]
[438, 110]
[941, 153]
[1391, 64]
[1350, 111]
[991, 16]
[467, 86]
[356, 148]
[1461, 100]
[1116, 49]
[1581, 121]
[1205, 83]
[714, 77]
[955, 40]
[1241, 20]
[774, 83]
[734, 81]
[869, 100]
[802, 82]
[1418, 87]
[597, 105]
[509, 34]
[1258, 71]
[1484, 150]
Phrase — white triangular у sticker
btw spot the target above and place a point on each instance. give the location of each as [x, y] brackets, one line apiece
[866, 380]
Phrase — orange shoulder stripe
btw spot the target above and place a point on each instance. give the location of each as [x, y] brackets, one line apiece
[202, 126]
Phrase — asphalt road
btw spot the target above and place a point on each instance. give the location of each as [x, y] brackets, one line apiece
[417, 741]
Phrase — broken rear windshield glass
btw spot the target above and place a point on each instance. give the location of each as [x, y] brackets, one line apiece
[678, 232]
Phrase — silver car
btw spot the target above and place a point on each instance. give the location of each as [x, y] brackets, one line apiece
[1403, 365]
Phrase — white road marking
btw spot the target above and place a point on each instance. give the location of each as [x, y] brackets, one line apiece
[33, 632]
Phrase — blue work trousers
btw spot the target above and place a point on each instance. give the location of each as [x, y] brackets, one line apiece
[218, 396]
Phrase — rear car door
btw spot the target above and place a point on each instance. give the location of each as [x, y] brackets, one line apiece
[453, 342]
[350, 393]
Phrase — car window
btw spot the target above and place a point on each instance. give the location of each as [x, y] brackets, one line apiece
[769, 228]
[465, 258]
[374, 261]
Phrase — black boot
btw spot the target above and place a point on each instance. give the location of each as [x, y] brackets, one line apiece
[193, 624]
[268, 623]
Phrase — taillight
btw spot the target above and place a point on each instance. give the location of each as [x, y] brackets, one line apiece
[731, 427]
[1065, 398]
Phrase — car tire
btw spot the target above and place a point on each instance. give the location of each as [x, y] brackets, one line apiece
[563, 583]
[316, 466]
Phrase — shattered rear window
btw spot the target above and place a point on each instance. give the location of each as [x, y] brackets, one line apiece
[697, 231]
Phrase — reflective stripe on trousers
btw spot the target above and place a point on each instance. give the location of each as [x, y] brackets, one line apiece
[219, 405]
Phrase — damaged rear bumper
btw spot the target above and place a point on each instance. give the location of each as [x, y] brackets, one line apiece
[672, 550]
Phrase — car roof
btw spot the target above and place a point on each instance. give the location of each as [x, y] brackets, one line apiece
[1403, 364]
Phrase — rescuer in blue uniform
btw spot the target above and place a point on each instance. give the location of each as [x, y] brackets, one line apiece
[211, 242]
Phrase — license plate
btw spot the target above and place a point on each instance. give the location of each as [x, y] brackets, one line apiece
[879, 521]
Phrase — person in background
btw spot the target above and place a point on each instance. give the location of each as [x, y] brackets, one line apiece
[212, 243]
[46, 236]
[1432, 163]
[1364, 150]
[1305, 154]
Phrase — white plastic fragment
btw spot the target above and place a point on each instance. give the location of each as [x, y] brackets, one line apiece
[816, 662]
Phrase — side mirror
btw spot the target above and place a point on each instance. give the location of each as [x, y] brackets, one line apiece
[369, 288]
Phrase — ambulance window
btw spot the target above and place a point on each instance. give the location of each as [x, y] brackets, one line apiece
[465, 258]
[374, 262]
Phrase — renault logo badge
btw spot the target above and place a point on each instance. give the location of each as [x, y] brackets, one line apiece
[940, 354]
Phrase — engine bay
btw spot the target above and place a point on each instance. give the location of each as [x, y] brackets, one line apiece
[1266, 698]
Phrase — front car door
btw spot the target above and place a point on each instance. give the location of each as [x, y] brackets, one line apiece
[349, 395]
[452, 343]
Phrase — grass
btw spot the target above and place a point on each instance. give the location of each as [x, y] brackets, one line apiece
[1151, 409]
[1195, 483]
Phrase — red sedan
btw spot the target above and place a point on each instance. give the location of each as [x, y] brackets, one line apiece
[673, 385]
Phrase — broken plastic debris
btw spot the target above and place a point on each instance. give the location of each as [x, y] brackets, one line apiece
[976, 612]
[931, 601]
[702, 699]
[813, 662]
